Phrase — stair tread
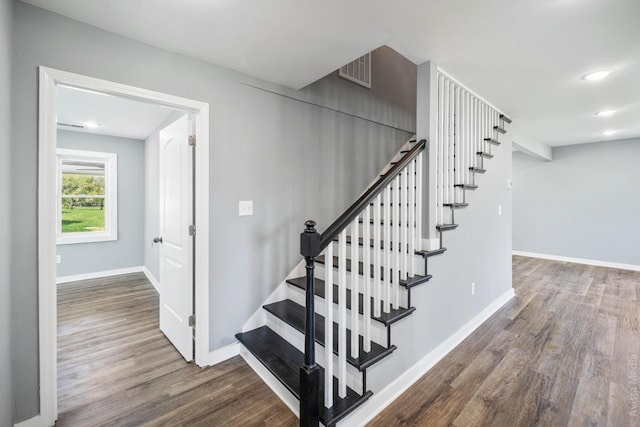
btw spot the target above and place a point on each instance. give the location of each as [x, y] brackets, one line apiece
[477, 170]
[485, 155]
[321, 260]
[500, 129]
[445, 227]
[456, 205]
[387, 319]
[505, 118]
[283, 360]
[294, 315]
[414, 281]
[434, 252]
[492, 141]
[466, 186]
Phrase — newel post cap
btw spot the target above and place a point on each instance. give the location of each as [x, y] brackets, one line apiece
[310, 240]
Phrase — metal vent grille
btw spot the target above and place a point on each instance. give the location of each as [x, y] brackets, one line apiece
[358, 71]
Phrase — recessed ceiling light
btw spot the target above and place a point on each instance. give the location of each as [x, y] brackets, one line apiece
[605, 113]
[597, 75]
[92, 125]
[609, 132]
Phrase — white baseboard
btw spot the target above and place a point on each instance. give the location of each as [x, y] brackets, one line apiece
[151, 278]
[580, 260]
[272, 382]
[385, 397]
[98, 274]
[36, 421]
[224, 353]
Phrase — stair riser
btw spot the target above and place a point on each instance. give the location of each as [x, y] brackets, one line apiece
[378, 330]
[418, 261]
[362, 249]
[295, 338]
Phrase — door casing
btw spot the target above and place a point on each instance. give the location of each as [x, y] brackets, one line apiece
[49, 80]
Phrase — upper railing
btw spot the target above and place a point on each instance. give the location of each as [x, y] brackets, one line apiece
[384, 229]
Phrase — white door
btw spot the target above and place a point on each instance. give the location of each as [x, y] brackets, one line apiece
[176, 248]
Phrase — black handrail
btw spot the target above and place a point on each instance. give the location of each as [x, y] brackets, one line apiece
[358, 206]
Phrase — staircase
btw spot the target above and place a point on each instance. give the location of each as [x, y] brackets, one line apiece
[343, 310]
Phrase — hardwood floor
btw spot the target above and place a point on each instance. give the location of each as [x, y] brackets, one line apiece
[563, 352]
[115, 367]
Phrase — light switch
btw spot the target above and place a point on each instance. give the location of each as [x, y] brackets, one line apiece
[499, 210]
[245, 207]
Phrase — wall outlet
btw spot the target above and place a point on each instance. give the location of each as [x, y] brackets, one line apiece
[499, 210]
[473, 288]
[245, 207]
[58, 259]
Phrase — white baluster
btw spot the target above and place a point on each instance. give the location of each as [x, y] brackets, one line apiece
[439, 151]
[377, 255]
[452, 136]
[447, 144]
[328, 326]
[355, 289]
[401, 273]
[342, 315]
[366, 282]
[396, 237]
[413, 226]
[419, 201]
[387, 251]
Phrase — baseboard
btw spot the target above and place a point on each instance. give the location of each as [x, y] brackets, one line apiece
[272, 382]
[380, 400]
[224, 353]
[151, 278]
[579, 260]
[36, 421]
[98, 274]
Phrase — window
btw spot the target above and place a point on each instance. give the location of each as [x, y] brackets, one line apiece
[87, 196]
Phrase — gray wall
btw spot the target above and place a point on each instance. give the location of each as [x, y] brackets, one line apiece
[6, 396]
[479, 251]
[272, 145]
[583, 204]
[127, 251]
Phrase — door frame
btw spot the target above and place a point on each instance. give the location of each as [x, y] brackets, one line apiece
[49, 79]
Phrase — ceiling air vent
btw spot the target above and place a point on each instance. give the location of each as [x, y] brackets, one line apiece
[358, 71]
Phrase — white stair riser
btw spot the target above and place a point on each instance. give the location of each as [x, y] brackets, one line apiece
[378, 330]
[295, 338]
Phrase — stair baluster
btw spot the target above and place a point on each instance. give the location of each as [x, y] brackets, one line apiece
[366, 280]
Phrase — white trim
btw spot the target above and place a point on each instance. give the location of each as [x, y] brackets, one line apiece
[151, 278]
[98, 274]
[385, 397]
[36, 421]
[49, 79]
[585, 261]
[431, 244]
[224, 353]
[272, 382]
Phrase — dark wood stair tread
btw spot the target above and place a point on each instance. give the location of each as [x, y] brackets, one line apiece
[294, 315]
[434, 252]
[499, 129]
[456, 205]
[445, 227]
[414, 281]
[321, 260]
[492, 141]
[387, 319]
[484, 155]
[466, 186]
[477, 170]
[505, 118]
[284, 361]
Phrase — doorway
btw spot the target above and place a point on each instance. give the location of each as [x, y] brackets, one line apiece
[50, 81]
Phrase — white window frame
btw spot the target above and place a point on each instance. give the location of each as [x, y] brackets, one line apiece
[110, 197]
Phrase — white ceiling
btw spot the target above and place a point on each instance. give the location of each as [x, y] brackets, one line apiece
[525, 56]
[116, 116]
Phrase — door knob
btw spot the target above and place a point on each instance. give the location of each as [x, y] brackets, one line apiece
[157, 240]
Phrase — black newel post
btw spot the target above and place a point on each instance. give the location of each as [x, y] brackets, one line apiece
[309, 372]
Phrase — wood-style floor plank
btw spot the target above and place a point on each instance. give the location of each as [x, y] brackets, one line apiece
[115, 367]
[559, 354]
